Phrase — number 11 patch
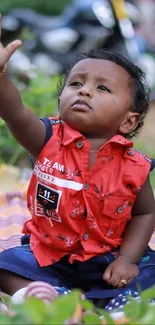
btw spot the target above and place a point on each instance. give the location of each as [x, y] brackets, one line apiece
[48, 197]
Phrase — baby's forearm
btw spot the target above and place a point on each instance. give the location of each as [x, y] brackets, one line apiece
[28, 130]
[137, 237]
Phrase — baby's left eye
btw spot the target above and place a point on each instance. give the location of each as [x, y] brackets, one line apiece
[104, 88]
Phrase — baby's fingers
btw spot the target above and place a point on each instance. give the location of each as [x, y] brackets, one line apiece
[115, 279]
[111, 277]
[11, 48]
[107, 273]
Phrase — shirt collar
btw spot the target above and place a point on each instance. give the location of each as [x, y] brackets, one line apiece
[70, 135]
[121, 140]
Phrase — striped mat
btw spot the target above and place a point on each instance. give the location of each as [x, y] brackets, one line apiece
[13, 214]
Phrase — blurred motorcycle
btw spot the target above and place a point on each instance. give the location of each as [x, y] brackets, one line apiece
[82, 26]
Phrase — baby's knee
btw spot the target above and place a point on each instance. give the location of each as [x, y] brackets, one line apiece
[11, 282]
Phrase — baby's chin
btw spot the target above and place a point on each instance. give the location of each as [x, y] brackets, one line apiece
[77, 121]
[76, 125]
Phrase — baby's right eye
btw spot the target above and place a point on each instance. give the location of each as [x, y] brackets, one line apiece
[75, 83]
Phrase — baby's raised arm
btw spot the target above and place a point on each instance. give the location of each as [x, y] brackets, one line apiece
[22, 122]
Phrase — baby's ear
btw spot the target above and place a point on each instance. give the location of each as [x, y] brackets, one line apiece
[130, 123]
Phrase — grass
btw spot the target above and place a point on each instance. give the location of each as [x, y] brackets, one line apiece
[149, 150]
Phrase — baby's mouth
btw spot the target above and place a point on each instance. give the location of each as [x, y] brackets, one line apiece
[81, 105]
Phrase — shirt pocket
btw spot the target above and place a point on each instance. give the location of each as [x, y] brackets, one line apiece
[115, 215]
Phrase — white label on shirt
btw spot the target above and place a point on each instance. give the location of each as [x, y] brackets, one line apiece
[58, 181]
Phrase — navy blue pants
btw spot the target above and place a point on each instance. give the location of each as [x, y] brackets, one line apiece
[86, 276]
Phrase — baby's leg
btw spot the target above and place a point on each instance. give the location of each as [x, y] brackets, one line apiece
[11, 282]
[21, 288]
[21, 276]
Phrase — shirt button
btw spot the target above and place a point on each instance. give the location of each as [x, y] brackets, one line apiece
[85, 236]
[119, 209]
[130, 153]
[86, 186]
[79, 144]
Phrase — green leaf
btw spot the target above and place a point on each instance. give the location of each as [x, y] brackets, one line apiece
[106, 316]
[149, 316]
[148, 294]
[135, 309]
[87, 305]
[5, 319]
[2, 122]
[92, 319]
[64, 307]
[32, 311]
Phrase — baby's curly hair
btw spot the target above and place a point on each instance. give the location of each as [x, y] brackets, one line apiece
[139, 87]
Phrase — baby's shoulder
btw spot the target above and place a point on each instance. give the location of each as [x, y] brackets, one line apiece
[135, 155]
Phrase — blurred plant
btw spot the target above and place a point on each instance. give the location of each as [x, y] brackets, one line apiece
[72, 309]
[149, 150]
[46, 7]
[41, 97]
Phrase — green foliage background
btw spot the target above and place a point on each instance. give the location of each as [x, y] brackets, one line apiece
[48, 7]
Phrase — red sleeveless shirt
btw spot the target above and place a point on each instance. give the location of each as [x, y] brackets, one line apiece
[76, 210]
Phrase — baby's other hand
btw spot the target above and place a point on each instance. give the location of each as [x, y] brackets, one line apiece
[120, 272]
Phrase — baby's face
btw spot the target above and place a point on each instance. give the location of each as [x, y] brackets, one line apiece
[96, 98]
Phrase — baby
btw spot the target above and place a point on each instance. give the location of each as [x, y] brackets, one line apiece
[90, 197]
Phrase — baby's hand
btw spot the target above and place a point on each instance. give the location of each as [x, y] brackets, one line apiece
[6, 52]
[119, 270]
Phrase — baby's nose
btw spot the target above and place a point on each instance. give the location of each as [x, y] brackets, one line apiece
[86, 91]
